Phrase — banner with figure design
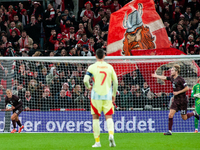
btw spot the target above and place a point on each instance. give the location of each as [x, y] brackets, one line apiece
[138, 26]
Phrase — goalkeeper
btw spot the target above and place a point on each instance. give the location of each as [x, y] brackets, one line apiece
[196, 94]
[102, 95]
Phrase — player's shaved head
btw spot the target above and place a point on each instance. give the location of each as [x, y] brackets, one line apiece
[9, 93]
[100, 53]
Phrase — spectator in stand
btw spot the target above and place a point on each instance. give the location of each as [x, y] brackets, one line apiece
[197, 41]
[52, 40]
[81, 26]
[5, 41]
[121, 86]
[43, 76]
[125, 99]
[25, 42]
[135, 77]
[49, 20]
[37, 53]
[79, 34]
[36, 76]
[23, 17]
[176, 14]
[33, 30]
[138, 100]
[18, 24]
[62, 77]
[51, 54]
[108, 13]
[13, 27]
[34, 49]
[145, 89]
[66, 12]
[11, 13]
[19, 9]
[186, 25]
[194, 23]
[47, 101]
[59, 43]
[91, 46]
[53, 74]
[63, 53]
[88, 12]
[29, 102]
[14, 38]
[100, 15]
[32, 87]
[36, 10]
[104, 24]
[9, 50]
[73, 52]
[197, 15]
[73, 84]
[65, 87]
[161, 100]
[61, 46]
[113, 7]
[95, 32]
[2, 50]
[65, 26]
[3, 26]
[137, 86]
[83, 40]
[133, 89]
[61, 18]
[78, 97]
[71, 36]
[174, 26]
[188, 13]
[64, 101]
[58, 82]
[194, 5]
[85, 51]
[3, 16]
[180, 31]
[190, 49]
[84, 20]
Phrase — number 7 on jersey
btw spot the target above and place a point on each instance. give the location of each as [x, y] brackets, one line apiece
[104, 78]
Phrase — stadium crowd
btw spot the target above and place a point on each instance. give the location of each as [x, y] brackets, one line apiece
[31, 30]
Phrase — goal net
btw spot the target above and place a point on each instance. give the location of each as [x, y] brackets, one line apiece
[56, 100]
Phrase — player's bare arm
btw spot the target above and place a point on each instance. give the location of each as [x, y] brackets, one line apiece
[113, 99]
[181, 91]
[159, 77]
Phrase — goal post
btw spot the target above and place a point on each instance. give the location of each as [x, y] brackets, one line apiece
[56, 100]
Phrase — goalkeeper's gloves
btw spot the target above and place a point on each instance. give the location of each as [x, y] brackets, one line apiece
[197, 95]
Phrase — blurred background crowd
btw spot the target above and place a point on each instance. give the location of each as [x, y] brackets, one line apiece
[34, 28]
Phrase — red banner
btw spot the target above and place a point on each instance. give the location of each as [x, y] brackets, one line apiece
[136, 26]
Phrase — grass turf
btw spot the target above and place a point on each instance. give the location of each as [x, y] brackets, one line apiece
[78, 141]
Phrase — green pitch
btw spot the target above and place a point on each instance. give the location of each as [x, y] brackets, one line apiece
[77, 141]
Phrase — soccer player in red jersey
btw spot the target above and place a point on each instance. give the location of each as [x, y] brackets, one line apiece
[179, 101]
[16, 108]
